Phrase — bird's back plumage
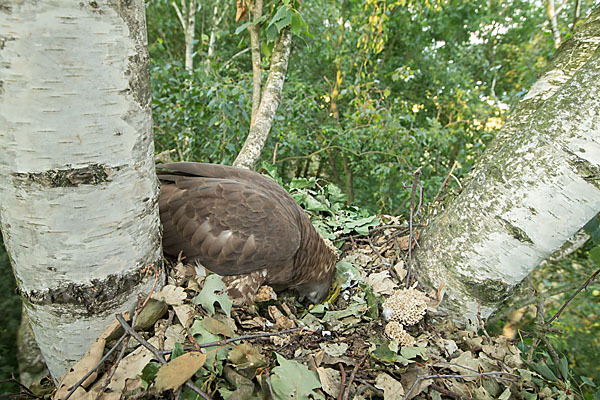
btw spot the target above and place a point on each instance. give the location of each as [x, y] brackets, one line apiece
[237, 222]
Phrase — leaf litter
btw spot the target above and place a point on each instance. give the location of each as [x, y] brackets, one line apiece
[335, 350]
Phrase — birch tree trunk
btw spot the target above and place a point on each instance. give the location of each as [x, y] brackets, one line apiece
[256, 63]
[533, 189]
[269, 102]
[187, 19]
[78, 191]
[553, 23]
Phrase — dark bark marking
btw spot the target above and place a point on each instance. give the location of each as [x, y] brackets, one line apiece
[93, 174]
[93, 298]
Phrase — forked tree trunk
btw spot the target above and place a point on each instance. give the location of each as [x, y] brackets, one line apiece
[78, 191]
[533, 189]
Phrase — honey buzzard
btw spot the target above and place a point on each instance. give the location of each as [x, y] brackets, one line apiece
[244, 226]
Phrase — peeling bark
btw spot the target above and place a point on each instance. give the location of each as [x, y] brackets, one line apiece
[532, 190]
[269, 102]
[78, 197]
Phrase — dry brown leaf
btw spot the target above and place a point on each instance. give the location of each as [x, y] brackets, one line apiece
[176, 372]
[404, 240]
[381, 282]
[241, 10]
[216, 327]
[392, 389]
[185, 314]
[331, 381]
[172, 295]
[265, 293]
[84, 365]
[281, 320]
[246, 356]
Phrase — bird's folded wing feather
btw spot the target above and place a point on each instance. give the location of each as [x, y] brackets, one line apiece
[231, 227]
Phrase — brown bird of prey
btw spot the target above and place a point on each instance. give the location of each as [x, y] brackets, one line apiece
[244, 226]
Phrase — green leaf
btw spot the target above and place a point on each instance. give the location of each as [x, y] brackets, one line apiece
[347, 274]
[292, 380]
[587, 381]
[303, 183]
[563, 367]
[214, 354]
[282, 23]
[242, 27]
[413, 352]
[383, 353]
[298, 24]
[177, 350]
[211, 293]
[543, 369]
[313, 204]
[149, 373]
[595, 255]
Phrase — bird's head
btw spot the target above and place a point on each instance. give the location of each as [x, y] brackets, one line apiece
[316, 289]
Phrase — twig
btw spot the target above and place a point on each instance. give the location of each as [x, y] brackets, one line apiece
[22, 386]
[156, 353]
[416, 175]
[79, 382]
[450, 393]
[343, 384]
[275, 152]
[480, 321]
[140, 307]
[352, 375]
[589, 280]
[541, 334]
[236, 339]
[444, 183]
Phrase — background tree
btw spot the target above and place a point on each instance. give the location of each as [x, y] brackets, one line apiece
[78, 195]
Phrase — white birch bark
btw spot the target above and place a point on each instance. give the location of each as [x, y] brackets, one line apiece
[187, 18]
[532, 190]
[216, 22]
[256, 63]
[271, 97]
[78, 191]
[553, 23]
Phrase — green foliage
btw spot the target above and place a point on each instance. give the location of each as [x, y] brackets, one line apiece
[327, 206]
[211, 293]
[148, 374]
[292, 380]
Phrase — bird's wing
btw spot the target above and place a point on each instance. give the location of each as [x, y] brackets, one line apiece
[231, 227]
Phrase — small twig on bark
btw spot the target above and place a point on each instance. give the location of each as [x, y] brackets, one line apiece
[416, 176]
[444, 184]
[585, 285]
